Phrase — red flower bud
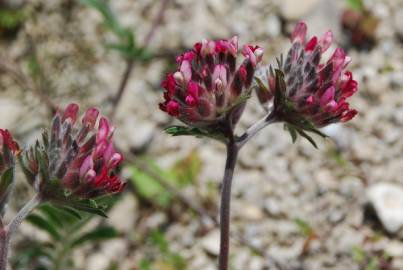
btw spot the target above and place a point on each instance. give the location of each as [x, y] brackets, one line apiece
[80, 158]
[207, 83]
[314, 90]
[8, 150]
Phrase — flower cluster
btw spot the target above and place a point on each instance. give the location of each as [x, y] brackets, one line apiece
[8, 149]
[77, 159]
[208, 86]
[310, 90]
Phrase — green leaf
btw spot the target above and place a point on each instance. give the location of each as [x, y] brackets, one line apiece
[52, 214]
[261, 85]
[103, 8]
[358, 254]
[279, 97]
[89, 206]
[28, 175]
[70, 212]
[373, 264]
[32, 254]
[182, 130]
[145, 264]
[292, 131]
[177, 261]
[193, 131]
[44, 225]
[157, 238]
[6, 181]
[303, 226]
[11, 18]
[306, 136]
[43, 167]
[34, 67]
[309, 126]
[59, 216]
[187, 170]
[150, 188]
[357, 5]
[96, 235]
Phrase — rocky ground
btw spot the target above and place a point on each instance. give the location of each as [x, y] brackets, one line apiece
[294, 207]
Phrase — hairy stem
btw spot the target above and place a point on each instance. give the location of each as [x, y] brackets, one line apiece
[232, 153]
[255, 128]
[7, 232]
[4, 241]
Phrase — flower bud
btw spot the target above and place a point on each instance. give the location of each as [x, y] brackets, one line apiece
[308, 91]
[207, 85]
[74, 157]
[8, 151]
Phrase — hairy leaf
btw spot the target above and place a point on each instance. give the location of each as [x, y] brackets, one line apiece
[6, 183]
[150, 188]
[89, 206]
[306, 136]
[96, 235]
[44, 224]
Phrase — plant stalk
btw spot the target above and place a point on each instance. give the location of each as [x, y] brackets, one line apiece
[255, 128]
[232, 154]
[7, 232]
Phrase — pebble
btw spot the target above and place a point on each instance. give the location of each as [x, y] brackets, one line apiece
[295, 9]
[387, 200]
[398, 22]
[211, 242]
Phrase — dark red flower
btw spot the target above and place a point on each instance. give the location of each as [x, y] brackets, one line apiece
[208, 84]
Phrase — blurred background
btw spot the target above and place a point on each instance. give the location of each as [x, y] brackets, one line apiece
[294, 207]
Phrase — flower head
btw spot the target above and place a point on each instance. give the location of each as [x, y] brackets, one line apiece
[208, 86]
[77, 158]
[8, 150]
[310, 92]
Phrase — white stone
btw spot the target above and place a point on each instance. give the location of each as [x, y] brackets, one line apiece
[124, 214]
[398, 22]
[387, 200]
[273, 26]
[394, 249]
[295, 9]
[211, 242]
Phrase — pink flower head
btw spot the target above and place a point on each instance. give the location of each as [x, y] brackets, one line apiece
[8, 150]
[80, 157]
[208, 84]
[310, 87]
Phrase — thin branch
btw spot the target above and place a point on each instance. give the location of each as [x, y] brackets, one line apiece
[130, 62]
[23, 213]
[255, 128]
[7, 232]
